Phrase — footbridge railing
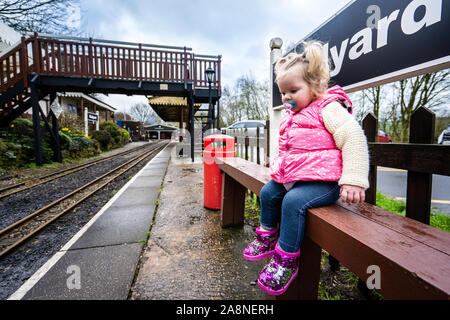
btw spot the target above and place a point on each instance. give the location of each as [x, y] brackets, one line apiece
[94, 58]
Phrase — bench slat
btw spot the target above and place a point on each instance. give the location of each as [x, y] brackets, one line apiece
[256, 175]
[432, 237]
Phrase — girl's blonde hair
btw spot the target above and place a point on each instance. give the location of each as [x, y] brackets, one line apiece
[313, 64]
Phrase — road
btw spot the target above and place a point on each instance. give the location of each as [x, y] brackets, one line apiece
[392, 182]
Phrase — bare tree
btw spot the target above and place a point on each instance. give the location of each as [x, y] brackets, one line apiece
[393, 104]
[144, 112]
[47, 16]
[429, 90]
[247, 100]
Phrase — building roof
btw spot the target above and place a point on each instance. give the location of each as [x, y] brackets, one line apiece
[170, 101]
[160, 127]
[168, 108]
[88, 97]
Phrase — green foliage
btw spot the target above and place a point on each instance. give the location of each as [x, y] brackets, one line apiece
[125, 134]
[104, 138]
[17, 145]
[71, 123]
[113, 129]
[438, 219]
[65, 140]
[110, 136]
[252, 208]
[389, 204]
[82, 147]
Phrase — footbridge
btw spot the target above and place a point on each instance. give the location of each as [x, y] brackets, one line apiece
[42, 65]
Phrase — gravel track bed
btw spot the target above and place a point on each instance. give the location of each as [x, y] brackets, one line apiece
[19, 265]
[18, 206]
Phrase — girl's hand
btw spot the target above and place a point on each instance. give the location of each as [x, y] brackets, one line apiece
[352, 194]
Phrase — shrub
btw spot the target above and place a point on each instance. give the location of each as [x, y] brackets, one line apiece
[104, 138]
[125, 136]
[21, 127]
[65, 140]
[113, 129]
[72, 122]
[83, 147]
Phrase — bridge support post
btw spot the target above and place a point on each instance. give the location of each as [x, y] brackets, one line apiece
[190, 101]
[36, 125]
[57, 146]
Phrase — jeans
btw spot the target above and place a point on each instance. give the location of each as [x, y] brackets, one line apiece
[290, 207]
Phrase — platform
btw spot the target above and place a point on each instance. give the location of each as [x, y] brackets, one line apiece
[104, 253]
[152, 240]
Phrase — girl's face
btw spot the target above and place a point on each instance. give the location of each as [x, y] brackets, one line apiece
[293, 87]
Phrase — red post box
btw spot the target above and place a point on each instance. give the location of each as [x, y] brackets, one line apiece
[215, 146]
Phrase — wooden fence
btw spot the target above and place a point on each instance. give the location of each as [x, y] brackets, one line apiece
[252, 147]
[420, 157]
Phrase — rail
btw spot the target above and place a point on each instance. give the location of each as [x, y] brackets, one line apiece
[71, 56]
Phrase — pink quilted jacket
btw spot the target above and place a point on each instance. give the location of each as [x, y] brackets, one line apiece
[307, 151]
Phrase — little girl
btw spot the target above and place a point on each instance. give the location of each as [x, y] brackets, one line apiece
[322, 156]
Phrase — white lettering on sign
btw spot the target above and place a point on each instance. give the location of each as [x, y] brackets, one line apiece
[92, 116]
[362, 46]
[433, 11]
[383, 27]
[361, 42]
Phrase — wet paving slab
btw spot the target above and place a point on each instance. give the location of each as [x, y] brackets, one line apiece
[189, 255]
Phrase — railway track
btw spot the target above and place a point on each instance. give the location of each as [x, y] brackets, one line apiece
[26, 185]
[12, 236]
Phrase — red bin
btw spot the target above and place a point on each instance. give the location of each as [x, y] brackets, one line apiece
[215, 146]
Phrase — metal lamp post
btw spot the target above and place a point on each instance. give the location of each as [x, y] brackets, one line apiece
[209, 77]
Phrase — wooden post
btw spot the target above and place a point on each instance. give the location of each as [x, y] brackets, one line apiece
[233, 202]
[36, 55]
[267, 137]
[190, 101]
[90, 62]
[418, 195]
[370, 125]
[24, 62]
[36, 126]
[57, 147]
[246, 143]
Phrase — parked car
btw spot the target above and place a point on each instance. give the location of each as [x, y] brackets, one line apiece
[250, 125]
[444, 137]
[383, 136]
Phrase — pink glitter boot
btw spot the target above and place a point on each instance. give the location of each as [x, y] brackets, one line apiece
[263, 246]
[276, 277]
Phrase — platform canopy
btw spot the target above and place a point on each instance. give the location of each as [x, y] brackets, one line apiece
[169, 108]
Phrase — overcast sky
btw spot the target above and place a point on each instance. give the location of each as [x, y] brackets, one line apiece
[239, 31]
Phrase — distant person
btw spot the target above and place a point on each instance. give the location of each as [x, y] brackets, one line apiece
[322, 156]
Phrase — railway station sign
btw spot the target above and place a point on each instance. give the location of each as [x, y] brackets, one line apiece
[92, 116]
[372, 42]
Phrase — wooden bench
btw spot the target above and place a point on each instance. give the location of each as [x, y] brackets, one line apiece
[413, 258]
